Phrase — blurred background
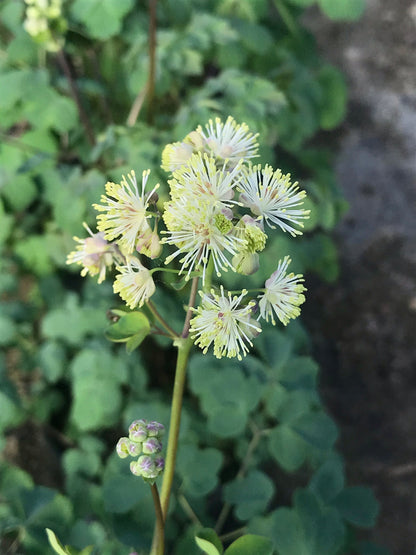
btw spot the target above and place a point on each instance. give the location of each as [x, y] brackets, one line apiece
[331, 88]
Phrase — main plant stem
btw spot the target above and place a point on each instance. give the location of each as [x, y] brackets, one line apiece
[184, 345]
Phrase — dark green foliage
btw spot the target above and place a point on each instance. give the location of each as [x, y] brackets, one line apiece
[248, 58]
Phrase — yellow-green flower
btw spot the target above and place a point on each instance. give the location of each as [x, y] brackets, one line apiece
[229, 141]
[125, 211]
[200, 232]
[134, 283]
[201, 178]
[221, 321]
[283, 294]
[272, 197]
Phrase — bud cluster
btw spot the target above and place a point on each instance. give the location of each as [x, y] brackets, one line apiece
[144, 442]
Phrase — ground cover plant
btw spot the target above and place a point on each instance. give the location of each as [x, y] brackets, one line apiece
[170, 129]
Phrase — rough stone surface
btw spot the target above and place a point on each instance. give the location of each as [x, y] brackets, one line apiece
[365, 332]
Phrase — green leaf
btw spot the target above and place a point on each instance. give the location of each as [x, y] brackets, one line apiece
[44, 508]
[208, 540]
[199, 469]
[250, 544]
[358, 506]
[206, 546]
[72, 322]
[323, 528]
[9, 413]
[343, 9]
[250, 495]
[275, 347]
[8, 330]
[97, 376]
[52, 360]
[317, 429]
[103, 18]
[55, 543]
[226, 392]
[303, 2]
[329, 479]
[122, 493]
[334, 98]
[6, 224]
[287, 448]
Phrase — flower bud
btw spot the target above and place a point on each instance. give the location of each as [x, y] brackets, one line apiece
[160, 463]
[123, 447]
[155, 429]
[152, 446]
[147, 468]
[148, 243]
[246, 263]
[135, 468]
[138, 431]
[134, 449]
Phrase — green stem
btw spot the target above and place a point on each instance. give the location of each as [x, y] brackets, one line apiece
[158, 543]
[184, 347]
[160, 319]
[257, 435]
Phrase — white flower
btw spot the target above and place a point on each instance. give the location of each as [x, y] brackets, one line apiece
[220, 321]
[283, 294]
[95, 254]
[229, 141]
[126, 211]
[134, 283]
[201, 178]
[199, 231]
[272, 197]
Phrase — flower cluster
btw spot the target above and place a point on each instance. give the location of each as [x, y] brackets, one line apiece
[144, 442]
[220, 211]
[44, 22]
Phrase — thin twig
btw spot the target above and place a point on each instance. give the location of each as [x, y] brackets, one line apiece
[160, 319]
[188, 509]
[257, 434]
[62, 59]
[234, 534]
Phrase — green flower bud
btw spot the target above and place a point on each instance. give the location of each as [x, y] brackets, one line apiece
[152, 446]
[123, 447]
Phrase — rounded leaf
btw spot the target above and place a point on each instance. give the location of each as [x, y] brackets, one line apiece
[250, 545]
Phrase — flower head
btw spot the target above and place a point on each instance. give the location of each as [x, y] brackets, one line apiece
[283, 294]
[134, 283]
[199, 230]
[95, 254]
[272, 197]
[125, 210]
[222, 321]
[44, 22]
[229, 141]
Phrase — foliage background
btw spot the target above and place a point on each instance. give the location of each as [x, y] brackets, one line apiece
[66, 393]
